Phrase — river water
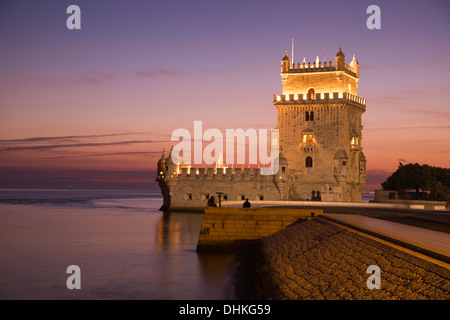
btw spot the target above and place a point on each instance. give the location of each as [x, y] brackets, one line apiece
[124, 246]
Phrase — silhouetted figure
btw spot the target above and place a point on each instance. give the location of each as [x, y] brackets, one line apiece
[246, 204]
[212, 202]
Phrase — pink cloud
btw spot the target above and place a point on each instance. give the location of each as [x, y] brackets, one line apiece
[92, 76]
[161, 72]
[28, 79]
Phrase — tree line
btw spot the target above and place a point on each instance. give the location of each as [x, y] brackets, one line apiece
[430, 182]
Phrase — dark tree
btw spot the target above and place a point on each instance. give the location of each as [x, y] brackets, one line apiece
[433, 180]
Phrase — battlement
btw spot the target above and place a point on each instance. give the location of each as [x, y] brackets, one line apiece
[214, 173]
[326, 97]
[319, 67]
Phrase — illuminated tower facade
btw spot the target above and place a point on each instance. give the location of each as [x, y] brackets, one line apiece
[319, 120]
[320, 131]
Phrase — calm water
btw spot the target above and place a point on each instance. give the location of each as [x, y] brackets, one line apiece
[366, 197]
[125, 247]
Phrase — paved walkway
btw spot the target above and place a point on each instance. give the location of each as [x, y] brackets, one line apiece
[424, 238]
[317, 259]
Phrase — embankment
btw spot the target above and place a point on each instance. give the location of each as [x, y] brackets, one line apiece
[315, 259]
[230, 228]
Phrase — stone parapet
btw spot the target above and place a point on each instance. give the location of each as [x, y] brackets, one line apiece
[324, 97]
[319, 67]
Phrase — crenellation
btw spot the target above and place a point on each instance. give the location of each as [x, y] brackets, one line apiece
[338, 97]
[321, 67]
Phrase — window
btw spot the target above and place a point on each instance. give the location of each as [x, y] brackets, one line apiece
[312, 92]
[309, 162]
[307, 116]
[188, 196]
[205, 196]
[311, 116]
[283, 169]
[241, 197]
[261, 197]
[308, 138]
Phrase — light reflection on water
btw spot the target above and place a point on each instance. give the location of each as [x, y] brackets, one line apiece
[126, 249]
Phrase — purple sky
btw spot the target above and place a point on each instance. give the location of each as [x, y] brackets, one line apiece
[80, 104]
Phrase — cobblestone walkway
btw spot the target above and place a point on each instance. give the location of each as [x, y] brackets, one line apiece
[319, 260]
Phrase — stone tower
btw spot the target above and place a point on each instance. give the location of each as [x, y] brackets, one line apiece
[320, 159]
[319, 120]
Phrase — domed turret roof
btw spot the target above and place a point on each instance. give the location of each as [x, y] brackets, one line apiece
[286, 57]
[341, 154]
[168, 161]
[163, 157]
[340, 53]
[282, 160]
[354, 62]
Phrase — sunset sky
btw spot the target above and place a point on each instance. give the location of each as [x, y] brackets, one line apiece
[93, 108]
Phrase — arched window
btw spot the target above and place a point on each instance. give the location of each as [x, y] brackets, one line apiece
[309, 162]
[312, 92]
[354, 144]
[307, 116]
[311, 116]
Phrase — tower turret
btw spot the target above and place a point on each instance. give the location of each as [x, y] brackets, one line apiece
[285, 63]
[162, 165]
[280, 178]
[355, 64]
[339, 60]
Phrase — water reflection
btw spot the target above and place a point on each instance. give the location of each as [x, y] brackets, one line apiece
[217, 272]
[179, 231]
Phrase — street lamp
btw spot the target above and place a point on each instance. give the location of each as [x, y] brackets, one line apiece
[219, 195]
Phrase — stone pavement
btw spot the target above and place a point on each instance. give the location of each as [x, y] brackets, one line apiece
[317, 259]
